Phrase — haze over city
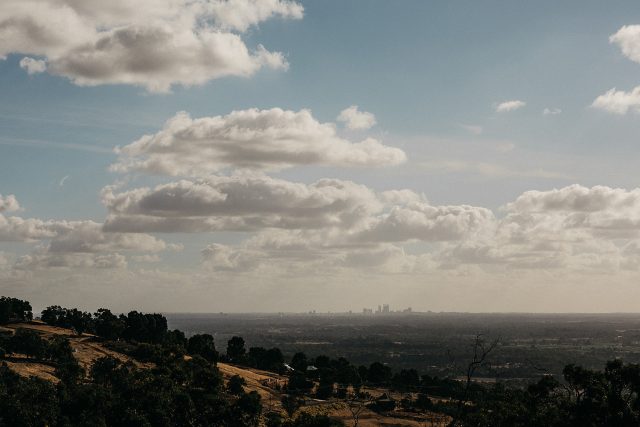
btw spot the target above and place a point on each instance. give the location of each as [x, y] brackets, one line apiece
[290, 156]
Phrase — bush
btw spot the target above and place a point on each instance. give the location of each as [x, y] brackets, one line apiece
[235, 385]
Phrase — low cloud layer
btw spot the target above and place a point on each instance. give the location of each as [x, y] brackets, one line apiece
[249, 139]
[239, 203]
[151, 43]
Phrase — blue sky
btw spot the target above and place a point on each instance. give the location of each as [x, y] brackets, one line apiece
[432, 73]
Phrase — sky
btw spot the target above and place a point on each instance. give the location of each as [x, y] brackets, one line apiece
[282, 155]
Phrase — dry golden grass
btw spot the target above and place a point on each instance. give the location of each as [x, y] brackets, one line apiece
[257, 379]
[28, 368]
[85, 350]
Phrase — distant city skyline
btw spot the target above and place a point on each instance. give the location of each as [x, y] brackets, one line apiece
[279, 155]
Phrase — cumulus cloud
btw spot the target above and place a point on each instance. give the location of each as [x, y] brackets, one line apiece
[618, 101]
[286, 253]
[44, 260]
[152, 43]
[507, 106]
[249, 139]
[241, 14]
[33, 66]
[628, 40]
[88, 237]
[576, 198]
[71, 244]
[16, 229]
[551, 111]
[355, 119]
[9, 203]
[238, 203]
[574, 228]
[423, 222]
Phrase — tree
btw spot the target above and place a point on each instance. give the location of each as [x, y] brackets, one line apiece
[299, 362]
[247, 410]
[53, 315]
[406, 380]
[149, 328]
[108, 325]
[103, 369]
[79, 320]
[28, 342]
[481, 351]
[235, 349]
[356, 404]
[14, 309]
[235, 385]
[378, 374]
[203, 345]
[291, 404]
[298, 383]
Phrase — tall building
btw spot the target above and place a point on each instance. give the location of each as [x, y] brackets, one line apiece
[385, 308]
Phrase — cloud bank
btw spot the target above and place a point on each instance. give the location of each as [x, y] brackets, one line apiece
[249, 139]
[155, 44]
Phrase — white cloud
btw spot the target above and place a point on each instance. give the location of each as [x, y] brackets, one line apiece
[16, 229]
[238, 203]
[618, 101]
[63, 180]
[551, 111]
[33, 66]
[576, 198]
[88, 237]
[241, 14]
[9, 203]
[507, 106]
[44, 260]
[251, 139]
[151, 43]
[423, 222]
[628, 40]
[355, 119]
[71, 244]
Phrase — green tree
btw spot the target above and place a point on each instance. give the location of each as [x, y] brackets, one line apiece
[235, 349]
[236, 384]
[203, 345]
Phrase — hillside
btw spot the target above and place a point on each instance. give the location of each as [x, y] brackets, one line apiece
[87, 349]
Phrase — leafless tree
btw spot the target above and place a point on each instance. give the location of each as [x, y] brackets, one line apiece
[357, 402]
[481, 351]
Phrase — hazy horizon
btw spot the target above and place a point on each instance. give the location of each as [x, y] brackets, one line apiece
[282, 155]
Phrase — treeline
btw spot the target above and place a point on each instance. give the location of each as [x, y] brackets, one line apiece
[175, 391]
[585, 398]
[13, 309]
[327, 377]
